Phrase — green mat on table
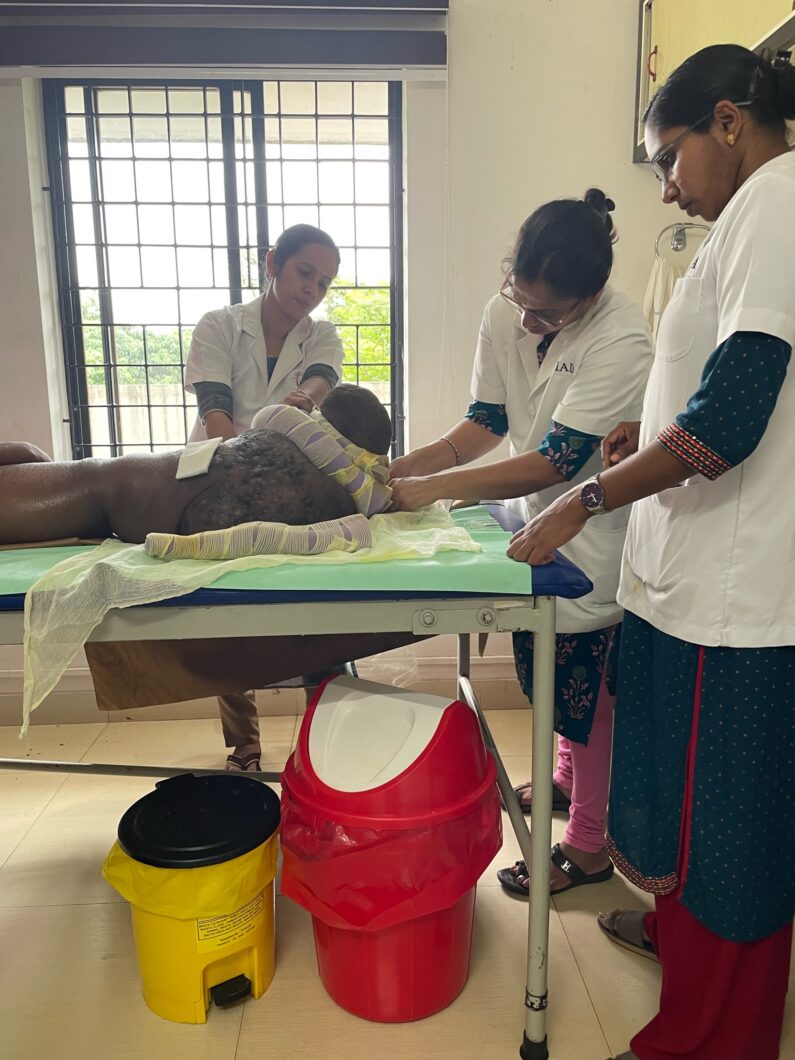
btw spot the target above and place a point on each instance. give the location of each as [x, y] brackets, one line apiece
[488, 571]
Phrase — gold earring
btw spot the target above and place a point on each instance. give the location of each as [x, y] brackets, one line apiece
[730, 140]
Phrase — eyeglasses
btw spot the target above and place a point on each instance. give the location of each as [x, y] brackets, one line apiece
[662, 161]
[507, 292]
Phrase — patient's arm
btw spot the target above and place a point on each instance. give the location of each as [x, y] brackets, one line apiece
[21, 453]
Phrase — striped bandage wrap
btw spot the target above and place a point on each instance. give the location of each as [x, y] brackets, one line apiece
[361, 473]
[348, 534]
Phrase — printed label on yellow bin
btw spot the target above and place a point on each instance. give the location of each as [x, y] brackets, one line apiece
[213, 932]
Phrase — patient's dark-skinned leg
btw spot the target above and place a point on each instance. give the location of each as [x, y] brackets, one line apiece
[21, 453]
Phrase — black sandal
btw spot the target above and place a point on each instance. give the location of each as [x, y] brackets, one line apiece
[516, 879]
[246, 764]
[560, 800]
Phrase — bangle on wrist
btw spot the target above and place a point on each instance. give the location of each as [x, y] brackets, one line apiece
[454, 447]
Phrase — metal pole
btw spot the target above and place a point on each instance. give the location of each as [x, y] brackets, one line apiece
[509, 799]
[534, 1043]
[110, 769]
[464, 662]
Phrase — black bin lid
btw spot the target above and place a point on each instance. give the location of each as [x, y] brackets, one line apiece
[190, 821]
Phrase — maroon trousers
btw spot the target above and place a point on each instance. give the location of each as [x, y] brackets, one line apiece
[719, 1000]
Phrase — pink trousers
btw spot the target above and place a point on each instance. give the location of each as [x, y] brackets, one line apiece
[585, 769]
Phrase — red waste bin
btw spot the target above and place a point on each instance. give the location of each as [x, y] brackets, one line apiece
[390, 814]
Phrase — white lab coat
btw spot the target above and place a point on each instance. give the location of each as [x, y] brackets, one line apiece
[592, 377]
[228, 346]
[713, 563]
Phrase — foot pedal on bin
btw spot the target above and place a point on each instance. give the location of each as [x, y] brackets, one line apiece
[232, 990]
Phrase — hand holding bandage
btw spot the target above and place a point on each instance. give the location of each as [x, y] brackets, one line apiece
[361, 473]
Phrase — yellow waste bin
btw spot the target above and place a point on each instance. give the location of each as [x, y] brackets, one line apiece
[196, 860]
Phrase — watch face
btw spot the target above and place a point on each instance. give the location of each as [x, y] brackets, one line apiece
[592, 495]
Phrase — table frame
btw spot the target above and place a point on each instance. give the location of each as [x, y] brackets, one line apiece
[457, 614]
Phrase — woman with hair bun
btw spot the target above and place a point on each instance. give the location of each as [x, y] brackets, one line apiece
[559, 354]
[701, 810]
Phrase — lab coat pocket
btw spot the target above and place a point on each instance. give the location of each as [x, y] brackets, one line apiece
[679, 322]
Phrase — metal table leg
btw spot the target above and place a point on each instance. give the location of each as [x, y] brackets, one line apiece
[535, 845]
[534, 1043]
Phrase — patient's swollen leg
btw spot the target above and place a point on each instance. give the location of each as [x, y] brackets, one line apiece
[240, 723]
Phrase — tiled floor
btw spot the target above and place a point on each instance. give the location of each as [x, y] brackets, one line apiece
[68, 980]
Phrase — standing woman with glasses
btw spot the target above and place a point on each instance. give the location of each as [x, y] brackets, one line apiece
[559, 357]
[701, 806]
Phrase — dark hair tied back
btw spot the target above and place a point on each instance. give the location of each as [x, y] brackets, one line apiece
[784, 84]
[766, 83]
[597, 200]
[567, 244]
[294, 239]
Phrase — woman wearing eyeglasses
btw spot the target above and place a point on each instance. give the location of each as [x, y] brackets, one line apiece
[560, 356]
[701, 808]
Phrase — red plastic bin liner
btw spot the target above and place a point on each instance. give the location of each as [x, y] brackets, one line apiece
[371, 878]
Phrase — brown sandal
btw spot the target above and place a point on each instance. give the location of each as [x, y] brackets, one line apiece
[625, 928]
[246, 764]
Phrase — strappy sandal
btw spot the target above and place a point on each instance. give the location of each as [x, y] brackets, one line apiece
[245, 764]
[625, 928]
[517, 880]
[560, 800]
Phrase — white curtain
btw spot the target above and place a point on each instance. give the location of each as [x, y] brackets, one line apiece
[660, 288]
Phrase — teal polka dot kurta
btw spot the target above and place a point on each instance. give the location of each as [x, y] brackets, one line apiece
[704, 743]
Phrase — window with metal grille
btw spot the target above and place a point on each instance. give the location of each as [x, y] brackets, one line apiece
[166, 197]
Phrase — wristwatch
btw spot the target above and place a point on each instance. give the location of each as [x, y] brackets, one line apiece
[592, 496]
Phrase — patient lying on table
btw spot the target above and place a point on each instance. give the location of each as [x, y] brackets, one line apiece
[259, 476]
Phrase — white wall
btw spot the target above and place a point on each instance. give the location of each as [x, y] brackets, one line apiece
[539, 105]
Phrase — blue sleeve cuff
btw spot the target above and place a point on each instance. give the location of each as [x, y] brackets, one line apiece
[491, 417]
[213, 397]
[324, 371]
[727, 416]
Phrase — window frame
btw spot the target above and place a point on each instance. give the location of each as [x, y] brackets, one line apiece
[56, 139]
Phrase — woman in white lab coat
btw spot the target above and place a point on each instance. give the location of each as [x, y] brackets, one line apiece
[559, 354]
[701, 808]
[266, 352]
[269, 351]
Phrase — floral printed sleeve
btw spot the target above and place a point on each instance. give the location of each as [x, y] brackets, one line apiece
[568, 450]
[491, 417]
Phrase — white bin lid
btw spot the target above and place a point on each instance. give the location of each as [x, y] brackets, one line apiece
[364, 734]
